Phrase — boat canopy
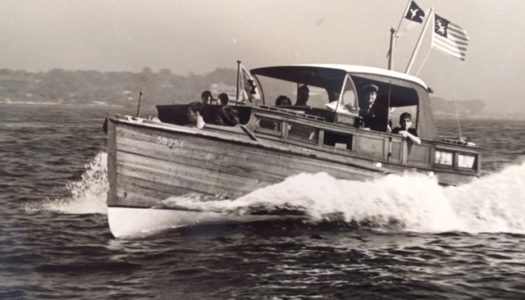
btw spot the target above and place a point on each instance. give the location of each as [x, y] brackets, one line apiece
[327, 78]
[395, 89]
[316, 74]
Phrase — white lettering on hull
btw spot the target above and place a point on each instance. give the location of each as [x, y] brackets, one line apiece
[172, 143]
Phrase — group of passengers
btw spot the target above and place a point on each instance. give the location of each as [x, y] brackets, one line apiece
[208, 99]
[221, 115]
[373, 114]
[303, 94]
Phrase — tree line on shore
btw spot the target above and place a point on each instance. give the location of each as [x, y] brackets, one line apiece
[118, 88]
[162, 87]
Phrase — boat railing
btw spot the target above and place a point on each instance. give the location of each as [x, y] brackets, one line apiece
[298, 111]
[457, 141]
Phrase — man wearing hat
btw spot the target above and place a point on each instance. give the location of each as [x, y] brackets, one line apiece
[375, 114]
[370, 96]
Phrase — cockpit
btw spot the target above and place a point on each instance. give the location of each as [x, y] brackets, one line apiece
[340, 93]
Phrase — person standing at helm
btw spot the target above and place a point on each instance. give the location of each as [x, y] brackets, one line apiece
[373, 111]
[370, 96]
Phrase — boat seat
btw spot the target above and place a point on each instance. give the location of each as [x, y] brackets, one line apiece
[176, 113]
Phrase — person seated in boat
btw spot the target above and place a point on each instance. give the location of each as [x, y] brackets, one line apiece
[226, 115]
[206, 97]
[374, 113]
[302, 95]
[283, 101]
[194, 115]
[224, 99]
[405, 121]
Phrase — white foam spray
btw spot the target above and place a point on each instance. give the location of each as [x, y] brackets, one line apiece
[493, 203]
[89, 194]
[415, 202]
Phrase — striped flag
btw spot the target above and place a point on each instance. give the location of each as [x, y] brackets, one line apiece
[449, 37]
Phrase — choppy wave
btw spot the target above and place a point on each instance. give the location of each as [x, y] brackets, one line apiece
[88, 195]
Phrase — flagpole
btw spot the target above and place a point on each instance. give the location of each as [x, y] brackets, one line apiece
[391, 51]
[393, 36]
[432, 36]
[457, 115]
[403, 16]
[419, 41]
[424, 61]
[238, 78]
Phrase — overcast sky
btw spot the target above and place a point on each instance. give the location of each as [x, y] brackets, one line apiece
[199, 36]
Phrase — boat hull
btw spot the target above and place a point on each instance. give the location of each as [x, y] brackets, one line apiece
[149, 164]
[135, 222]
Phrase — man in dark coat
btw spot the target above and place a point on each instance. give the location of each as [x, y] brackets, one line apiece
[374, 113]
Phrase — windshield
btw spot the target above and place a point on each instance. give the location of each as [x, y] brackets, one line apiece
[298, 93]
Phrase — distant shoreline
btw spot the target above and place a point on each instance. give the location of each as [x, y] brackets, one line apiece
[517, 117]
[50, 103]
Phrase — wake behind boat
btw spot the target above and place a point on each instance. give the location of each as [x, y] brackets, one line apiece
[342, 124]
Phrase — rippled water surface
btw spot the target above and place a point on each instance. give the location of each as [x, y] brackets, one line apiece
[408, 237]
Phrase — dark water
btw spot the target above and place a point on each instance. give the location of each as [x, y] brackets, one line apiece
[409, 241]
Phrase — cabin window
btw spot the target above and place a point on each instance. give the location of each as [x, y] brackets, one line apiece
[303, 133]
[466, 161]
[318, 89]
[444, 158]
[393, 97]
[338, 140]
[270, 126]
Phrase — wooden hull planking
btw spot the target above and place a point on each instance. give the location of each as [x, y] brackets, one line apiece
[148, 165]
[150, 162]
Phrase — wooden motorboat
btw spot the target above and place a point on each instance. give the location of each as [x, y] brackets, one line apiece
[150, 161]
